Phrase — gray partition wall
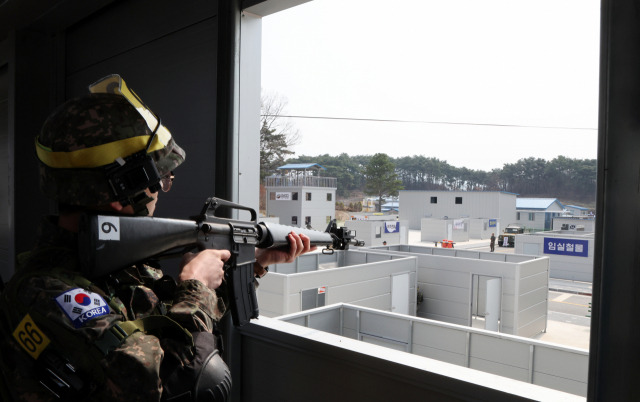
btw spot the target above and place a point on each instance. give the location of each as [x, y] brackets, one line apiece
[535, 362]
[446, 279]
[374, 280]
[570, 253]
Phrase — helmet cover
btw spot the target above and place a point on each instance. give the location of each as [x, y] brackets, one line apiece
[101, 127]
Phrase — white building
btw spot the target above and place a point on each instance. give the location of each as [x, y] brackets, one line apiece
[301, 197]
[416, 205]
[537, 213]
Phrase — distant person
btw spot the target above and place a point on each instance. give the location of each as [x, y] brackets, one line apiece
[492, 245]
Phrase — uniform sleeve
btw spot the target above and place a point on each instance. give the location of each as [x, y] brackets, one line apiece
[195, 306]
[133, 370]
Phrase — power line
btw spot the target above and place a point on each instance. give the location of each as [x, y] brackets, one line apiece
[427, 122]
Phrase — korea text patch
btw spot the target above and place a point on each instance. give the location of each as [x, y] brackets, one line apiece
[81, 306]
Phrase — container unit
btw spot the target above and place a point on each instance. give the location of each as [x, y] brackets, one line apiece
[436, 230]
[570, 253]
[370, 279]
[378, 232]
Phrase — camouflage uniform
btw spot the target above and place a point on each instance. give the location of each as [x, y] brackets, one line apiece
[133, 369]
[138, 367]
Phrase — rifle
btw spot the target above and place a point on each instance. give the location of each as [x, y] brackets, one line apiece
[108, 243]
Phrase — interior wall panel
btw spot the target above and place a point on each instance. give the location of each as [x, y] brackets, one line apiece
[5, 272]
[171, 64]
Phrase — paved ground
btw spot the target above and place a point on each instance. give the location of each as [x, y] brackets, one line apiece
[565, 328]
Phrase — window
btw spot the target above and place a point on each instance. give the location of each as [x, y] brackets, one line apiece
[518, 216]
[433, 200]
[294, 220]
[307, 220]
[308, 196]
[294, 196]
[329, 197]
[272, 195]
[378, 232]
[532, 216]
[458, 200]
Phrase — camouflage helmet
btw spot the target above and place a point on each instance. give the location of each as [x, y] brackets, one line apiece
[84, 136]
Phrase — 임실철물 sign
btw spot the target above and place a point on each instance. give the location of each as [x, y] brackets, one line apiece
[570, 247]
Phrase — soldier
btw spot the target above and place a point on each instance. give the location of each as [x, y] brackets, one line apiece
[137, 335]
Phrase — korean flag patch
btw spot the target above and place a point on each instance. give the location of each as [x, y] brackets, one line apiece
[81, 306]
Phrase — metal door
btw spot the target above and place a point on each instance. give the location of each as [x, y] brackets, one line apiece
[400, 293]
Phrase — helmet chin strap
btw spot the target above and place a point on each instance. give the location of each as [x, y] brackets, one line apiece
[139, 203]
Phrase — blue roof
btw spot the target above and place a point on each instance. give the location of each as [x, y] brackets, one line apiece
[301, 166]
[536, 203]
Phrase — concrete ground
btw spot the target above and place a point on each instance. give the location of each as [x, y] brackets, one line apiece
[559, 331]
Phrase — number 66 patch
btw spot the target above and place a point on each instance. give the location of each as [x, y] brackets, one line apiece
[30, 337]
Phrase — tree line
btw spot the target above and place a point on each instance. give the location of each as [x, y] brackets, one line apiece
[563, 178]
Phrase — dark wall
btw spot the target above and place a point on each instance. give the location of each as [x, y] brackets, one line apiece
[169, 59]
[166, 51]
[615, 331]
[4, 168]
[32, 72]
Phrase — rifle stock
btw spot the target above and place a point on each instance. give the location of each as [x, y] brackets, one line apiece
[109, 243]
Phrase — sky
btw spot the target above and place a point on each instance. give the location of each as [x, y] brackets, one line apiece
[476, 83]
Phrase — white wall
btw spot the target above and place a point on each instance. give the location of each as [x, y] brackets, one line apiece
[436, 230]
[553, 366]
[361, 278]
[372, 232]
[480, 229]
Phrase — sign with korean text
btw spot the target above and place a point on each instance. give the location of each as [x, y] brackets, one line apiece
[570, 247]
[392, 227]
[493, 223]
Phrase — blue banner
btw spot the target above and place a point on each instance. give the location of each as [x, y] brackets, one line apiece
[493, 223]
[570, 247]
[392, 227]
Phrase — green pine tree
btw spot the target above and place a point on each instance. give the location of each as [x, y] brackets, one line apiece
[381, 178]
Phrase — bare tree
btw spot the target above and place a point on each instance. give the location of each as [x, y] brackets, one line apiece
[277, 133]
